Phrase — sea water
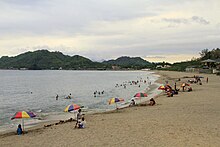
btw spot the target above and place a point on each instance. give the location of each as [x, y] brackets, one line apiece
[27, 90]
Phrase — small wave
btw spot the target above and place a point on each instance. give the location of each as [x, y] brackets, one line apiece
[38, 111]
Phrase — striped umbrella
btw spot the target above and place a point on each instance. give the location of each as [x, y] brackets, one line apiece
[22, 115]
[71, 107]
[115, 100]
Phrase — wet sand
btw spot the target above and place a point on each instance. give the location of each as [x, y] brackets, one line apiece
[187, 119]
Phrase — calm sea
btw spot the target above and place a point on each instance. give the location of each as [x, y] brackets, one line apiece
[36, 91]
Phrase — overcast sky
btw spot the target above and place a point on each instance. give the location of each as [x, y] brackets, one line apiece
[156, 30]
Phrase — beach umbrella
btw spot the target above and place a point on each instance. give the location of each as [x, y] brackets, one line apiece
[140, 95]
[71, 107]
[22, 115]
[162, 87]
[115, 101]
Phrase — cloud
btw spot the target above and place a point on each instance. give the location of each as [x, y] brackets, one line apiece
[158, 57]
[178, 21]
[172, 58]
[218, 25]
[199, 20]
[108, 29]
[67, 17]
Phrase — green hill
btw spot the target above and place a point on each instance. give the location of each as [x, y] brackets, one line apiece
[43, 59]
[130, 62]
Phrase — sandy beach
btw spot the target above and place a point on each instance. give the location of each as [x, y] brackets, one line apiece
[187, 119]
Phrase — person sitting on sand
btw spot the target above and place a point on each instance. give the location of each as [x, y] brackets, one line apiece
[152, 102]
[19, 130]
[132, 103]
[174, 91]
[189, 89]
[82, 124]
[169, 94]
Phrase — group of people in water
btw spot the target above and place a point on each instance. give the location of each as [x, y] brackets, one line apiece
[67, 97]
[98, 93]
[137, 82]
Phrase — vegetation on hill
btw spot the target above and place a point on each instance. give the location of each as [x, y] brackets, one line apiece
[129, 63]
[43, 59]
[204, 54]
[213, 54]
[181, 66]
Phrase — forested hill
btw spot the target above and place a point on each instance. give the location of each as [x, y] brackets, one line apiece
[43, 59]
[130, 62]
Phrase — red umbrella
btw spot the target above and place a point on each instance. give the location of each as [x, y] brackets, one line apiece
[140, 94]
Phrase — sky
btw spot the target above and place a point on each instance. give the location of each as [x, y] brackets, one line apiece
[156, 30]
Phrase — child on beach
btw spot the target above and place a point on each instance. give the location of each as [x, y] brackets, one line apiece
[19, 130]
[81, 124]
[132, 103]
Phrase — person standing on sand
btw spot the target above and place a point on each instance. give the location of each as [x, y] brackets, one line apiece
[19, 130]
[79, 115]
[207, 80]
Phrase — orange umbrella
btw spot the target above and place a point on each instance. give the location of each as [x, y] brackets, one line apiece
[162, 87]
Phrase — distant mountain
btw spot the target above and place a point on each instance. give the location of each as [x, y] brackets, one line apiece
[129, 62]
[43, 59]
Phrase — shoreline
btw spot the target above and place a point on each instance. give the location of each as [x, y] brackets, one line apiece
[188, 119]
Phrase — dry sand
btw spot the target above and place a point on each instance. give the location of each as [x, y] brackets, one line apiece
[187, 119]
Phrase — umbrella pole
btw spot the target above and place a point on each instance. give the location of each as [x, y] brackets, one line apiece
[23, 124]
